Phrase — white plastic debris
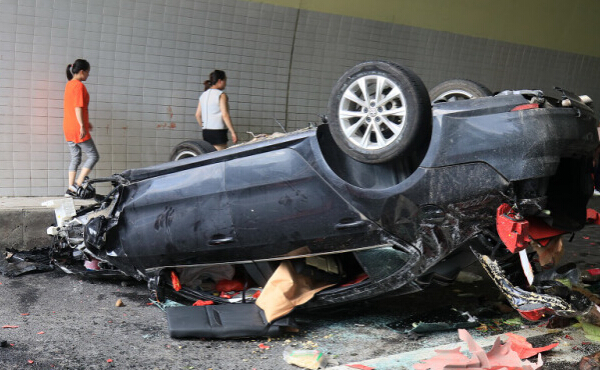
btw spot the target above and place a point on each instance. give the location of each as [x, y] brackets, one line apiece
[64, 210]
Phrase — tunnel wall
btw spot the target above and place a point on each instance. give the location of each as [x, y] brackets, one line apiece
[149, 59]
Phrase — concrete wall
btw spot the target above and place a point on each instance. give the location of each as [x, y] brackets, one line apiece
[149, 58]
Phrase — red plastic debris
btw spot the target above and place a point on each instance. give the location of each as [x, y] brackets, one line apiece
[512, 228]
[525, 107]
[516, 231]
[109, 360]
[536, 314]
[227, 295]
[359, 366]
[203, 303]
[41, 332]
[357, 280]
[501, 356]
[24, 314]
[263, 346]
[175, 281]
[523, 348]
[30, 361]
[568, 337]
[594, 272]
[225, 285]
[10, 326]
[592, 216]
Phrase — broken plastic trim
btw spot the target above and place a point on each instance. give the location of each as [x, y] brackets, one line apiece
[525, 107]
[532, 306]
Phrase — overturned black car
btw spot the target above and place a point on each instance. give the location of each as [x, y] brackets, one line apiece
[387, 197]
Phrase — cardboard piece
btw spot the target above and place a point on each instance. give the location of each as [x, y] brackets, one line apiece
[285, 290]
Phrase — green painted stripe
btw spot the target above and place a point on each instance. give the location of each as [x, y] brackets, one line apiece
[570, 26]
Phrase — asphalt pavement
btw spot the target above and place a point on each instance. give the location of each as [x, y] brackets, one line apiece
[56, 321]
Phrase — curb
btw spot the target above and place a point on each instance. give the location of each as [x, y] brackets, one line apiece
[23, 222]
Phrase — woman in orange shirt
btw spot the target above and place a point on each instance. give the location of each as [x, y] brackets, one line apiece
[76, 126]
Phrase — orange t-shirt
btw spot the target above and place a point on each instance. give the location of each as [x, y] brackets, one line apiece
[76, 95]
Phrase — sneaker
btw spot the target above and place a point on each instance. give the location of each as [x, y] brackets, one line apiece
[71, 192]
[86, 191]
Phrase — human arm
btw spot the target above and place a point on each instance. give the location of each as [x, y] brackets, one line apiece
[224, 105]
[79, 115]
[199, 114]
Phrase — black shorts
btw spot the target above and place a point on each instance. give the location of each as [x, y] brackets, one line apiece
[215, 137]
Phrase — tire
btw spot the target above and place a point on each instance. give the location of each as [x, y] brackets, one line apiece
[453, 90]
[191, 148]
[392, 120]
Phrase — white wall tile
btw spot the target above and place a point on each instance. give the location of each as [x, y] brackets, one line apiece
[149, 60]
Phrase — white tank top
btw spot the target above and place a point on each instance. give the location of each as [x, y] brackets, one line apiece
[212, 118]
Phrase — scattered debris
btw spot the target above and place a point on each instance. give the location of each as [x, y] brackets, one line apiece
[592, 216]
[308, 359]
[590, 275]
[557, 322]
[359, 366]
[501, 355]
[119, 303]
[523, 348]
[202, 303]
[591, 362]
[22, 262]
[166, 304]
[446, 318]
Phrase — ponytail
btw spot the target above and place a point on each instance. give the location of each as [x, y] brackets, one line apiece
[213, 78]
[69, 74]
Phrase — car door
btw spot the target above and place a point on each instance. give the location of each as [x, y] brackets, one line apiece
[182, 218]
[279, 204]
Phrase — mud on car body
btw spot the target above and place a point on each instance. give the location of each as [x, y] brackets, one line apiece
[396, 193]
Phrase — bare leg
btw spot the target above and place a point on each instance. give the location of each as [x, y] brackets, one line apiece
[84, 172]
[72, 175]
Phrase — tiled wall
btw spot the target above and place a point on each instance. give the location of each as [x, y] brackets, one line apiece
[149, 58]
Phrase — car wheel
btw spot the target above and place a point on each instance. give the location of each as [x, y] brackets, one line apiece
[379, 110]
[453, 90]
[191, 148]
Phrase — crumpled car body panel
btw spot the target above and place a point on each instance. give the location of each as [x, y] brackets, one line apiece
[404, 223]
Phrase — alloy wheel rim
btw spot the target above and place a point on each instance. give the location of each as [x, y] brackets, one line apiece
[372, 112]
[453, 95]
[185, 154]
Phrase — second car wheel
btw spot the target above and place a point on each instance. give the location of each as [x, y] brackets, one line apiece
[191, 148]
[453, 90]
[378, 111]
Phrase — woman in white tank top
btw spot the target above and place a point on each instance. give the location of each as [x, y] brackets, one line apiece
[213, 111]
